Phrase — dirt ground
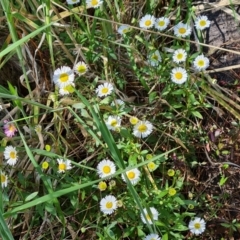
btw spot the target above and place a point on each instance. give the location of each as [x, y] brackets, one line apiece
[224, 32]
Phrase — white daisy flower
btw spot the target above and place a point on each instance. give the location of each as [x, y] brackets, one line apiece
[132, 175]
[63, 76]
[147, 21]
[113, 123]
[142, 129]
[4, 180]
[179, 55]
[123, 29]
[152, 236]
[106, 168]
[10, 154]
[63, 165]
[182, 30]
[201, 63]
[104, 90]
[202, 22]
[67, 89]
[197, 226]
[94, 3]
[80, 68]
[179, 75]
[155, 58]
[161, 23]
[118, 102]
[108, 204]
[153, 215]
[71, 2]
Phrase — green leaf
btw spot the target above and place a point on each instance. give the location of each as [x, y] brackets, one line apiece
[197, 114]
[177, 105]
[31, 196]
[223, 180]
[14, 92]
[133, 159]
[4, 90]
[226, 225]
[237, 225]
[152, 96]
[50, 208]
[178, 92]
[180, 227]
[158, 223]
[125, 133]
[179, 200]
[225, 152]
[193, 99]
[168, 115]
[84, 113]
[140, 232]
[78, 105]
[163, 193]
[113, 56]
[165, 236]
[128, 232]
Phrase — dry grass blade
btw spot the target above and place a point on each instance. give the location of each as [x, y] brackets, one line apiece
[221, 99]
[224, 69]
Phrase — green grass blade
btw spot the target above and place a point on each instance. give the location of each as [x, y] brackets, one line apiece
[4, 230]
[23, 40]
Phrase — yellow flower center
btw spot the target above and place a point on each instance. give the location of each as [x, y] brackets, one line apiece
[12, 155]
[161, 23]
[63, 77]
[125, 30]
[178, 76]
[105, 90]
[148, 23]
[94, 2]
[45, 165]
[179, 56]
[62, 166]
[171, 191]
[201, 63]
[151, 165]
[197, 225]
[154, 57]
[109, 205]
[3, 178]
[131, 175]
[171, 172]
[148, 217]
[106, 169]
[11, 128]
[113, 123]
[133, 120]
[142, 128]
[47, 147]
[202, 23]
[81, 69]
[102, 186]
[182, 30]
